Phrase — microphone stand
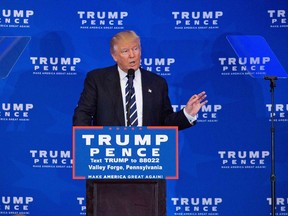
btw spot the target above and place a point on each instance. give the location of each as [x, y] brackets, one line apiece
[273, 176]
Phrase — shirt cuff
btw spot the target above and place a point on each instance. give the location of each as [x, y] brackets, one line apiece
[190, 118]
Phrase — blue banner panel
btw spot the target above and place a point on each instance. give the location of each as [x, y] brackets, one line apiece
[125, 152]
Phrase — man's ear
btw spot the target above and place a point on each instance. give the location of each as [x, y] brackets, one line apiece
[114, 57]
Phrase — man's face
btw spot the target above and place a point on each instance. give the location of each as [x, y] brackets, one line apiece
[127, 54]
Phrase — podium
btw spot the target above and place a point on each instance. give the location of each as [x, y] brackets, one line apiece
[125, 197]
[125, 168]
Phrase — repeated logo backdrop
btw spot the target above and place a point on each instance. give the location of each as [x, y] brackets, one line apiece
[48, 46]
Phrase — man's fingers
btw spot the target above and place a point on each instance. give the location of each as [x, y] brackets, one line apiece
[201, 96]
[204, 102]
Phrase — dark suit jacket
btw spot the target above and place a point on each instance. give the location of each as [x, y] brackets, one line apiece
[101, 103]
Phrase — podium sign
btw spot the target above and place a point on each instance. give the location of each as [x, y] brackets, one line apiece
[125, 152]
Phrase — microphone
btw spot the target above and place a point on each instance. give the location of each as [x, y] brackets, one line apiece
[131, 72]
[131, 75]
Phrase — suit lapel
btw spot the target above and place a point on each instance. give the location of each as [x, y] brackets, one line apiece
[116, 95]
[146, 91]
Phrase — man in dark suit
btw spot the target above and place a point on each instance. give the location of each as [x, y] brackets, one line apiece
[103, 103]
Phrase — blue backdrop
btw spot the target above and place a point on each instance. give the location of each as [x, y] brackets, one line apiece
[48, 46]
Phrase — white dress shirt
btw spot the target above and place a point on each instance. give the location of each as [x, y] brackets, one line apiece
[139, 100]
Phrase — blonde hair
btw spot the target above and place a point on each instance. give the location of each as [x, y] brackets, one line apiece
[123, 36]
